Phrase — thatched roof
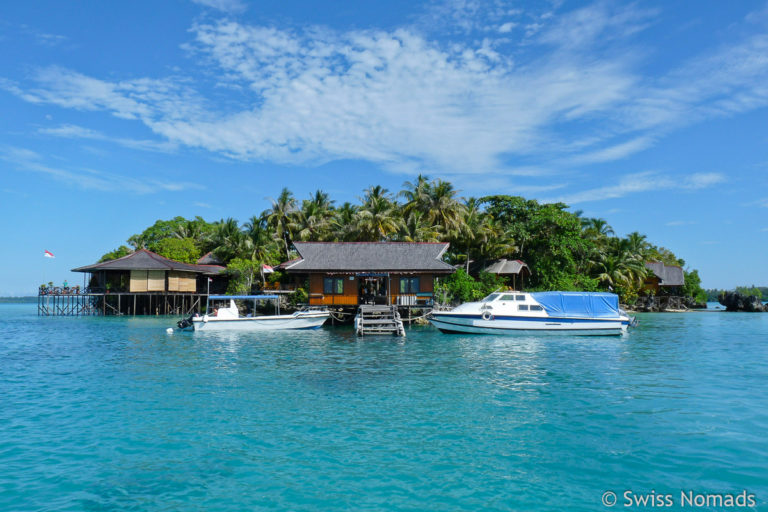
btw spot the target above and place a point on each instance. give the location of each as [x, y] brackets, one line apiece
[507, 267]
[368, 257]
[669, 275]
[148, 260]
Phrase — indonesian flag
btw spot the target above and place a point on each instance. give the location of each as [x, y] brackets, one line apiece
[267, 269]
[49, 254]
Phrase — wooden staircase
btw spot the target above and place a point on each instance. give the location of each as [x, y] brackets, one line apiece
[378, 320]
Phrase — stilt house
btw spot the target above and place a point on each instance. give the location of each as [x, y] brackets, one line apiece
[352, 273]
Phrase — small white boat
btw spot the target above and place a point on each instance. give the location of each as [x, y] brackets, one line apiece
[227, 317]
[518, 313]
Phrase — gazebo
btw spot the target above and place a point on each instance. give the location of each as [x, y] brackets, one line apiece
[515, 268]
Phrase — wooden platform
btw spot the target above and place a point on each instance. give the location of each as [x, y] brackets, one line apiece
[378, 320]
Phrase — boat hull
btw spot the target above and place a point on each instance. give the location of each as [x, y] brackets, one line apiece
[521, 326]
[262, 323]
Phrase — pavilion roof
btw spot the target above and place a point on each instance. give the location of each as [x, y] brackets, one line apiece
[143, 259]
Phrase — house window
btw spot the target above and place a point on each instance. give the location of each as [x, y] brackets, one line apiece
[409, 285]
[333, 285]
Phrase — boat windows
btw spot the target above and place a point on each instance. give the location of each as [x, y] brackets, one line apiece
[333, 285]
[520, 297]
[537, 308]
[507, 297]
[522, 307]
[492, 297]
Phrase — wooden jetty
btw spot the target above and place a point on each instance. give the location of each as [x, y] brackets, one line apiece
[64, 303]
[372, 319]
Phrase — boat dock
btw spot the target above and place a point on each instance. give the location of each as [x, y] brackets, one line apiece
[372, 319]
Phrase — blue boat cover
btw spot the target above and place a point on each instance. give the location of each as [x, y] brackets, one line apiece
[579, 304]
[243, 297]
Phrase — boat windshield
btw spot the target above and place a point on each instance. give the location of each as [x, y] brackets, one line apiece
[492, 297]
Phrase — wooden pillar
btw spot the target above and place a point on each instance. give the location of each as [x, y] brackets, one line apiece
[134, 304]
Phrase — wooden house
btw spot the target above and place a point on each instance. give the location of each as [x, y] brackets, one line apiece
[663, 278]
[146, 283]
[351, 273]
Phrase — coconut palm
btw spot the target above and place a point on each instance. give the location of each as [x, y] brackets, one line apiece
[278, 218]
[230, 241]
[377, 219]
[343, 221]
[415, 229]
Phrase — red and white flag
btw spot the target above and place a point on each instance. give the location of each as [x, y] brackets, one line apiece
[267, 269]
[49, 254]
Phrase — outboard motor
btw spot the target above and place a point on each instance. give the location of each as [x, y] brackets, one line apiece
[186, 322]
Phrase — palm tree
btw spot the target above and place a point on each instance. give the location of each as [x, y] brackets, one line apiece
[415, 194]
[415, 229]
[342, 222]
[230, 242]
[278, 218]
[377, 218]
[442, 208]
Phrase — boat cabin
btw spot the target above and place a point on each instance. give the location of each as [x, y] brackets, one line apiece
[355, 273]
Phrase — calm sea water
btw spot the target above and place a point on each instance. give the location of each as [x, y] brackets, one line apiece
[114, 414]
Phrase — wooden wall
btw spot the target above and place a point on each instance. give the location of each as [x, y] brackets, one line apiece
[154, 281]
[350, 296]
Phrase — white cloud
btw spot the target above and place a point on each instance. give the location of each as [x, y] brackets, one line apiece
[642, 182]
[26, 160]
[408, 102]
[676, 223]
[230, 6]
[615, 152]
[78, 132]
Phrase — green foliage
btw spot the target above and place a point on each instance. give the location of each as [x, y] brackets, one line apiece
[752, 291]
[692, 287]
[564, 250]
[197, 229]
[117, 253]
[275, 277]
[300, 296]
[178, 249]
[242, 276]
[461, 287]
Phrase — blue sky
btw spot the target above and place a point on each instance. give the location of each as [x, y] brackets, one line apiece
[651, 115]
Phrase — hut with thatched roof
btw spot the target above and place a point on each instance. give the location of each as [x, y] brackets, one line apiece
[517, 269]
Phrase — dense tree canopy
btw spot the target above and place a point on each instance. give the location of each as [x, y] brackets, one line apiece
[564, 250]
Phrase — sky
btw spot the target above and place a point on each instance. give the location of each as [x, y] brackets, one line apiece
[651, 115]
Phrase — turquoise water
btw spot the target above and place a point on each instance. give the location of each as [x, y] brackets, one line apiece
[114, 414]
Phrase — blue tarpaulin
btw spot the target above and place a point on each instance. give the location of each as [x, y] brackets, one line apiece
[243, 297]
[579, 304]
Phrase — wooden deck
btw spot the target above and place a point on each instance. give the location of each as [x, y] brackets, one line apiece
[119, 303]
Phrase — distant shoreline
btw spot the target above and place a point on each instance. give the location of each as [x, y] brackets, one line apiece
[18, 300]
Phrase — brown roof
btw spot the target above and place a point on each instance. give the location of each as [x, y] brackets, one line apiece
[369, 257]
[148, 260]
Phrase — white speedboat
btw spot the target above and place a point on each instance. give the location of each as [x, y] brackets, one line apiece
[227, 317]
[518, 313]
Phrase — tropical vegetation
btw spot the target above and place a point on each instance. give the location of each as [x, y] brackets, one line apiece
[563, 249]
